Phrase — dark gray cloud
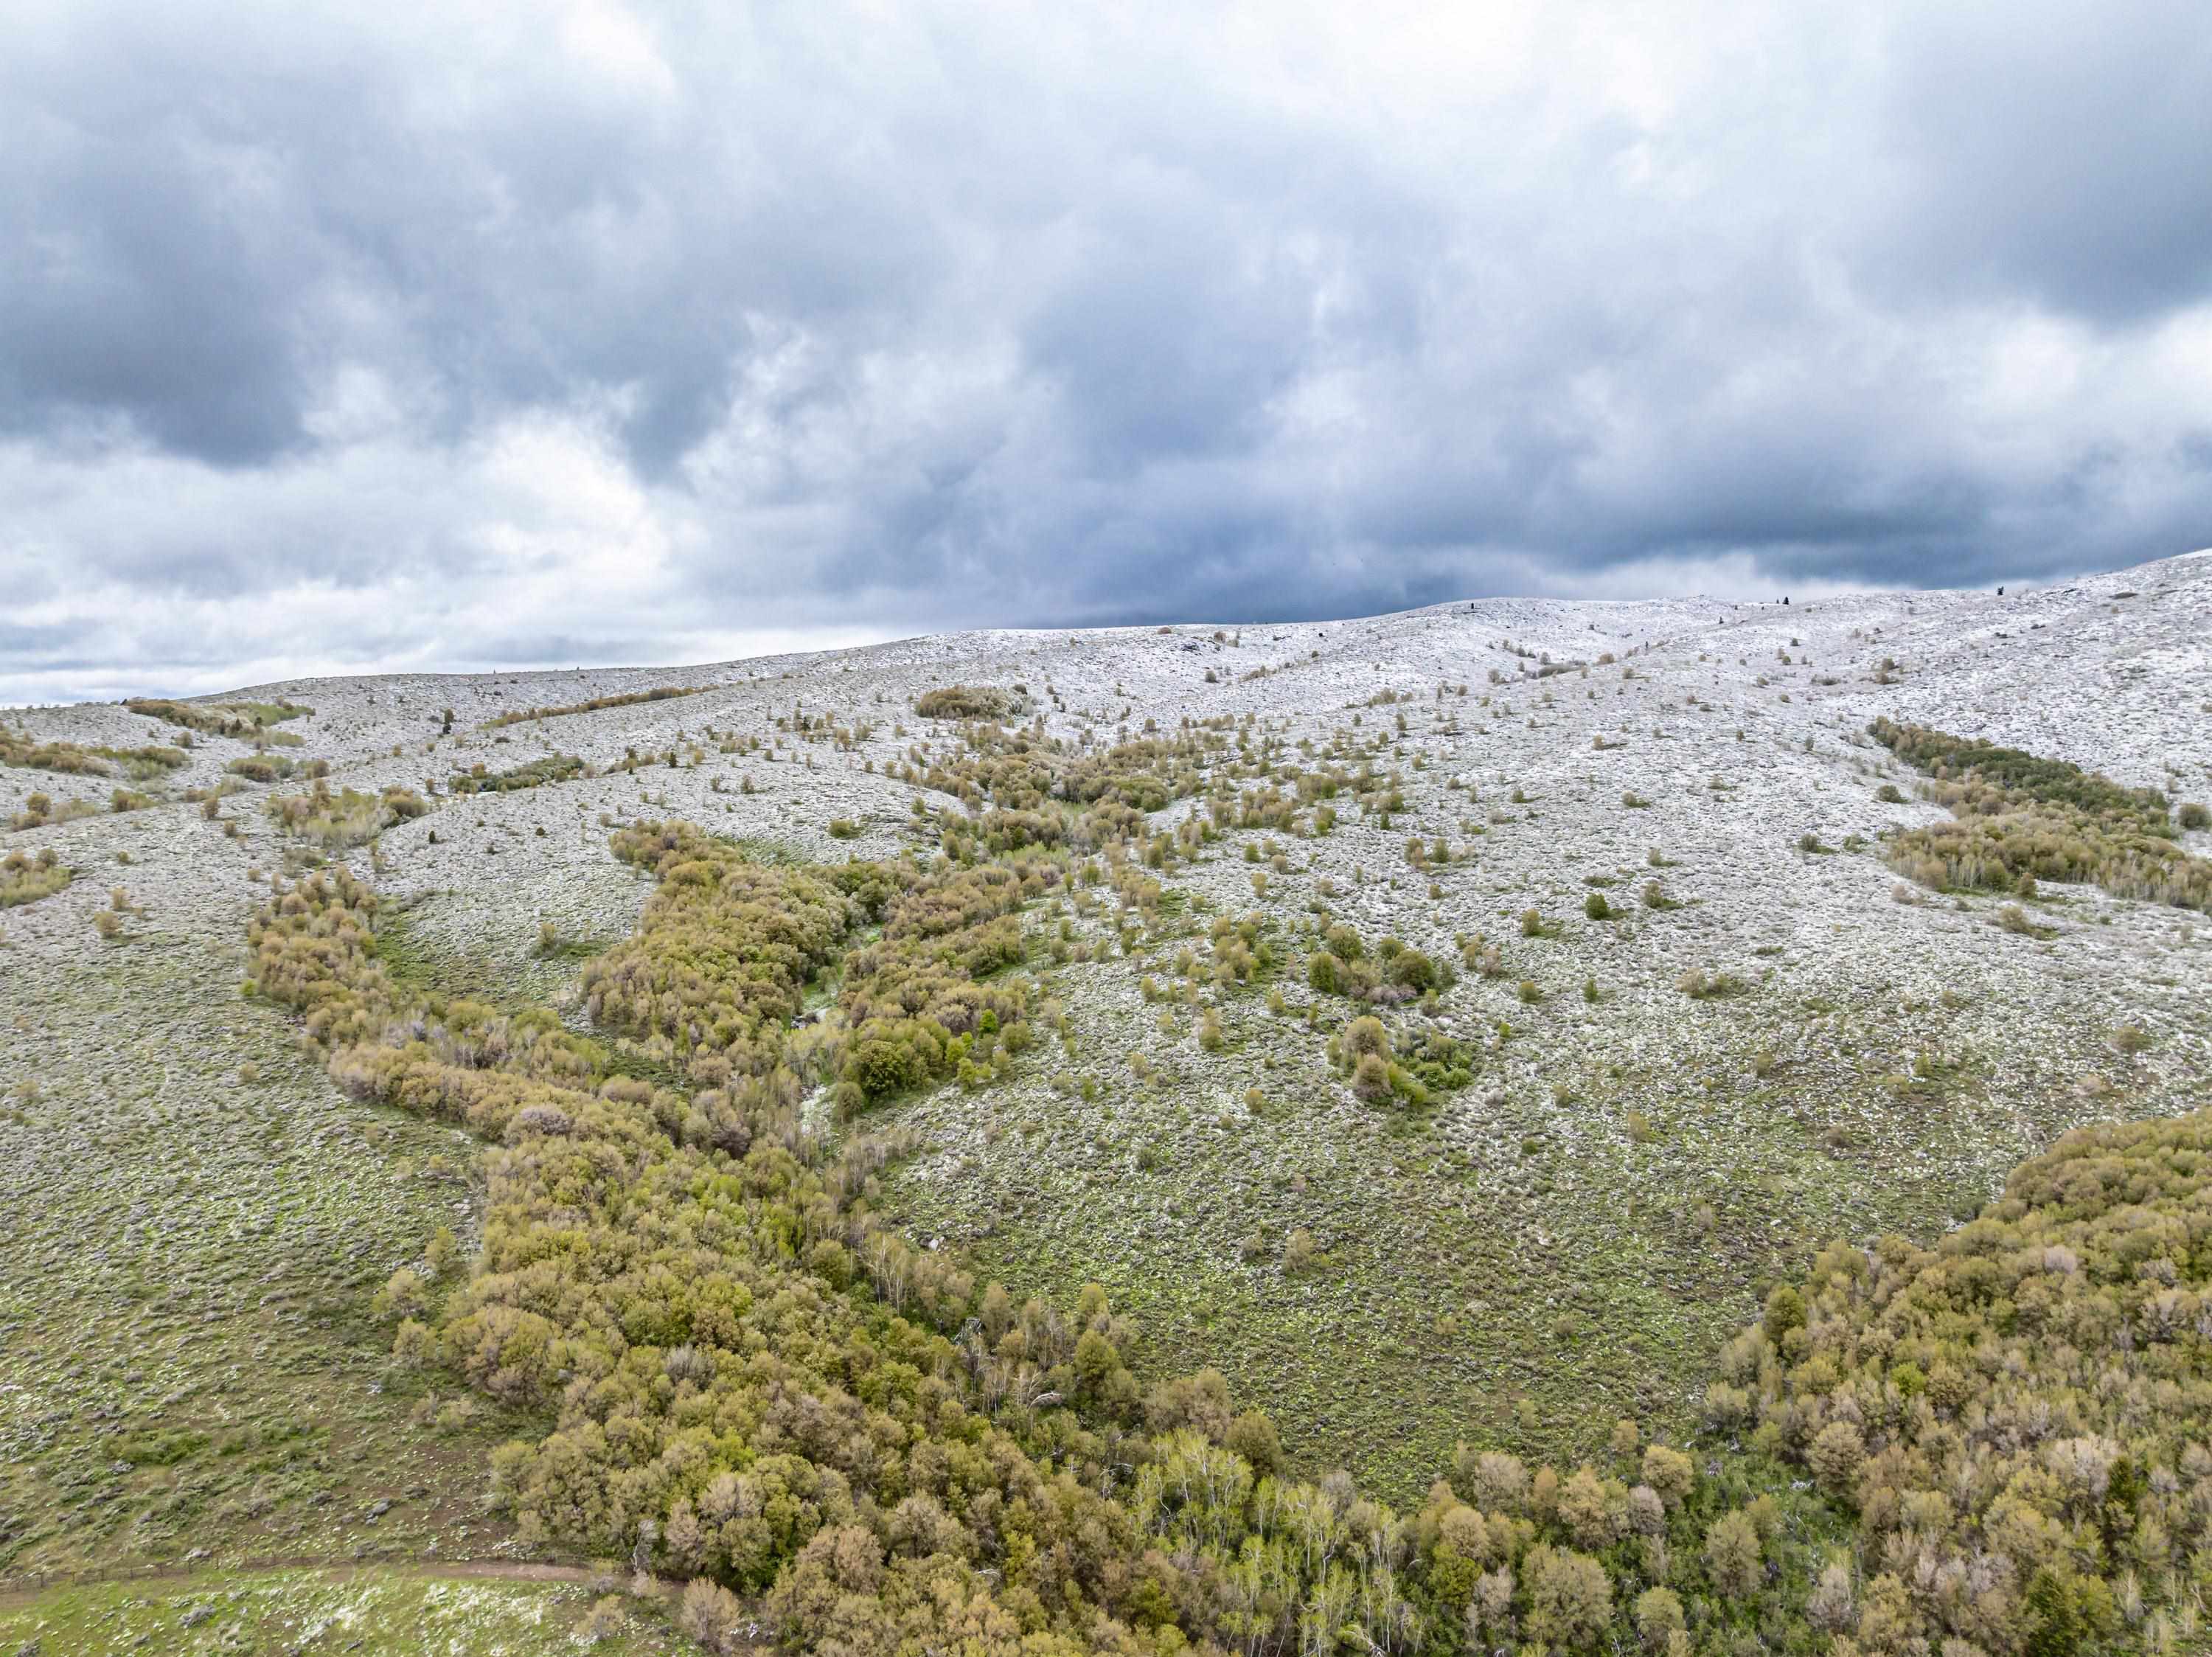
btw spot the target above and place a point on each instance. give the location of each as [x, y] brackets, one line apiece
[340, 337]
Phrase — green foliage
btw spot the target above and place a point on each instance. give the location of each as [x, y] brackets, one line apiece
[260, 767]
[1983, 777]
[718, 968]
[247, 721]
[921, 986]
[631, 699]
[1388, 974]
[2022, 819]
[965, 702]
[1440, 1062]
[747, 1379]
[348, 819]
[26, 880]
[548, 768]
[19, 748]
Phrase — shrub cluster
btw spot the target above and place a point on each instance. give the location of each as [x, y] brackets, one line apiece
[261, 767]
[548, 768]
[1020, 769]
[719, 965]
[19, 747]
[249, 720]
[2021, 819]
[1981, 778]
[1996, 1446]
[966, 701]
[1387, 975]
[2018, 1416]
[630, 699]
[1432, 1062]
[39, 811]
[347, 819]
[920, 1002]
[26, 880]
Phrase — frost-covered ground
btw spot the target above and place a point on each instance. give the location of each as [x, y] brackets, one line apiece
[1563, 1241]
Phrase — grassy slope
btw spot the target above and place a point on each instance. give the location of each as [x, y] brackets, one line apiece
[1510, 1268]
[374, 1612]
[186, 1358]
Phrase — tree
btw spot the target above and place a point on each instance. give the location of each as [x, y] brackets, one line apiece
[1569, 1598]
[1370, 1078]
[1658, 1617]
[1669, 1472]
[1253, 1436]
[1785, 1311]
[1829, 1607]
[1732, 1554]
[1837, 1452]
[1586, 1509]
[709, 1613]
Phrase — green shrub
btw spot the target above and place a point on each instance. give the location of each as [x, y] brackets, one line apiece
[260, 767]
[246, 721]
[516, 716]
[535, 773]
[965, 702]
[2019, 819]
[656, 1259]
[26, 880]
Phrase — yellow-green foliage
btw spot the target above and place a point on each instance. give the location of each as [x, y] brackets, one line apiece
[261, 767]
[965, 702]
[26, 880]
[551, 768]
[2018, 1415]
[65, 759]
[246, 720]
[1019, 771]
[913, 999]
[1388, 974]
[39, 811]
[659, 693]
[2021, 820]
[718, 968]
[1982, 778]
[1999, 1442]
[18, 747]
[347, 819]
[719, 965]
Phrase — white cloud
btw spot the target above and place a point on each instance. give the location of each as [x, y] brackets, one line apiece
[431, 335]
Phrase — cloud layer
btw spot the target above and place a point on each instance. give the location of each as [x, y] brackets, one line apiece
[340, 337]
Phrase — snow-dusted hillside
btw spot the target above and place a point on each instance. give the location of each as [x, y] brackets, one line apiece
[1629, 1159]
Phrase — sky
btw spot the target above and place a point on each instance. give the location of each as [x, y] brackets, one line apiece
[439, 335]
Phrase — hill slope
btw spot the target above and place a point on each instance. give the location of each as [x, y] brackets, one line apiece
[1693, 1034]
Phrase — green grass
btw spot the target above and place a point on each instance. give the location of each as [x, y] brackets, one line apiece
[187, 1361]
[391, 1611]
[1510, 1268]
[425, 965]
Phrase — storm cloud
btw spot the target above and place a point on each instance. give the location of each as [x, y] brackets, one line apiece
[426, 336]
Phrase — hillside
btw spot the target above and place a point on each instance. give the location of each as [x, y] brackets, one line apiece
[1661, 1007]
